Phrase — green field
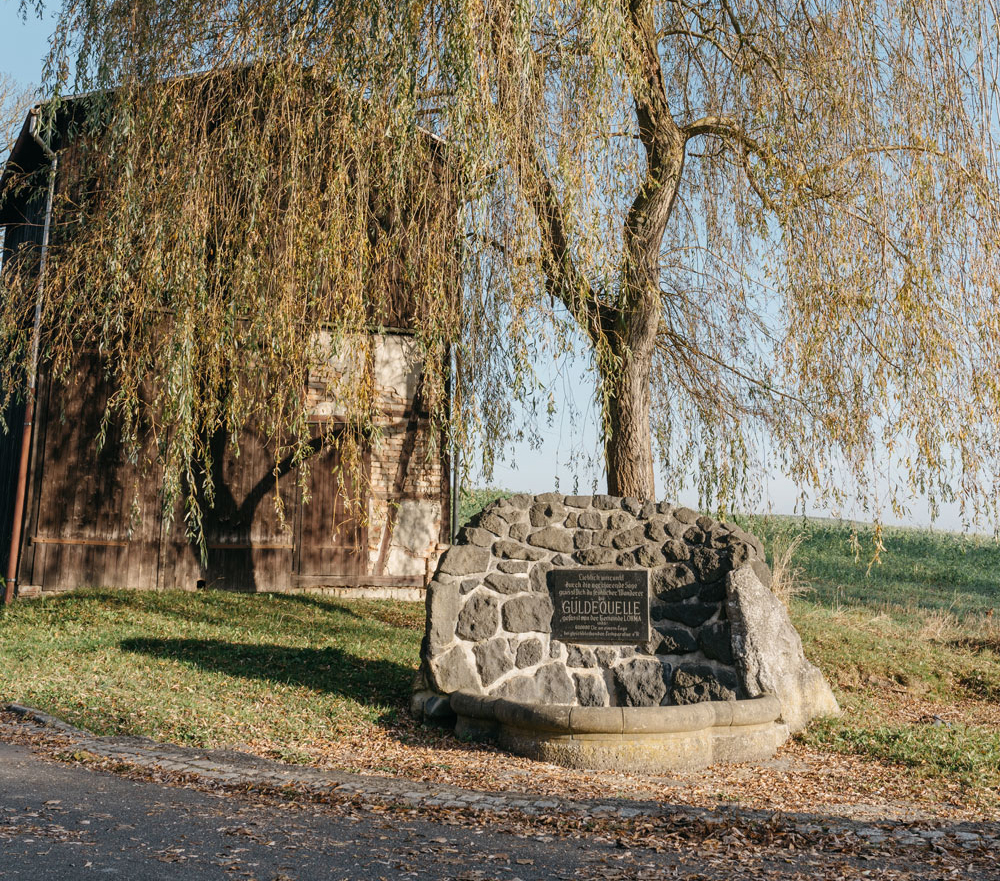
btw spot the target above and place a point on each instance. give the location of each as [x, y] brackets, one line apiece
[919, 570]
[903, 641]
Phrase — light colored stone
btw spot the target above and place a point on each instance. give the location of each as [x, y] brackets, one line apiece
[769, 654]
[452, 671]
[402, 562]
[417, 525]
[464, 560]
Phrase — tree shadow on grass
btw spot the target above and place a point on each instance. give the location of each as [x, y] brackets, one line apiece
[372, 682]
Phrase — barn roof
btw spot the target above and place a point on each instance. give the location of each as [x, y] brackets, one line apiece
[25, 158]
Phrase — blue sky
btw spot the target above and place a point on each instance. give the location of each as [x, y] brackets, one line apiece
[23, 45]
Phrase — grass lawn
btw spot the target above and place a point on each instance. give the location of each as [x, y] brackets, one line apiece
[288, 676]
[213, 668]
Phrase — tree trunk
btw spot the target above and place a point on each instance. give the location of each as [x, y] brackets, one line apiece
[628, 441]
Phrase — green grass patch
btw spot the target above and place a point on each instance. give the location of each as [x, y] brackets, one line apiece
[212, 668]
[919, 569]
[969, 754]
[298, 672]
[916, 626]
[472, 501]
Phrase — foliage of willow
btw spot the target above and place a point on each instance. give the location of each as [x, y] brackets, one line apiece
[770, 225]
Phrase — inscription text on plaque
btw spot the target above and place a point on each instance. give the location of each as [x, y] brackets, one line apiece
[600, 606]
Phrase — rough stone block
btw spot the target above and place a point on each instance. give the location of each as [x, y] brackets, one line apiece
[523, 614]
[512, 550]
[769, 655]
[476, 536]
[640, 683]
[553, 538]
[514, 567]
[626, 560]
[552, 498]
[676, 529]
[529, 653]
[675, 640]
[686, 515]
[716, 642]
[596, 556]
[493, 523]
[592, 520]
[554, 685]
[603, 538]
[537, 578]
[507, 584]
[692, 614]
[452, 671]
[578, 656]
[577, 501]
[563, 560]
[648, 510]
[606, 655]
[518, 688]
[546, 513]
[763, 573]
[470, 584]
[629, 538]
[479, 618]
[708, 565]
[582, 538]
[571, 520]
[511, 516]
[649, 556]
[521, 501]
[673, 576]
[736, 555]
[442, 614]
[519, 531]
[492, 660]
[590, 690]
[676, 550]
[693, 535]
[696, 683]
[633, 506]
[619, 520]
[606, 503]
[464, 560]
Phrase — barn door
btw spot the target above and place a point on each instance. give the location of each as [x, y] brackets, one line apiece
[332, 531]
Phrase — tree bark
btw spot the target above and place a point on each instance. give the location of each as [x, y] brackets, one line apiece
[628, 441]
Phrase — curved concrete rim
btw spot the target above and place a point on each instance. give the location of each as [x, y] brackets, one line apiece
[566, 719]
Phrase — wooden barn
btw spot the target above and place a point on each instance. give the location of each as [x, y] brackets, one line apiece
[92, 518]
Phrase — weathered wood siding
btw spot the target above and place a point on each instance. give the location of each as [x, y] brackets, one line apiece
[94, 517]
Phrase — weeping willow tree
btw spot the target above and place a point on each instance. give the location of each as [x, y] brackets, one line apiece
[772, 227]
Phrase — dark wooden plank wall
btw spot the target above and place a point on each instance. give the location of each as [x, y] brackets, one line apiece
[21, 242]
[332, 539]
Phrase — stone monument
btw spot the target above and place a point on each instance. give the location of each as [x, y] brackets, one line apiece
[598, 631]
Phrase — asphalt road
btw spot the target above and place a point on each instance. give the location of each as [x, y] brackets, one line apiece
[62, 821]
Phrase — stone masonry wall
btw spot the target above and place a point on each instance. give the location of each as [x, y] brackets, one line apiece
[489, 611]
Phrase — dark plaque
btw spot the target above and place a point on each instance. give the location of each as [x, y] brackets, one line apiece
[600, 606]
